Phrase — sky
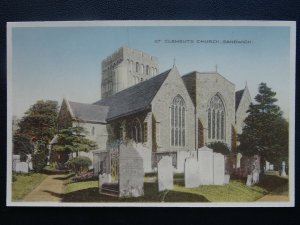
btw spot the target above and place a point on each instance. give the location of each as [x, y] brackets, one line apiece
[51, 63]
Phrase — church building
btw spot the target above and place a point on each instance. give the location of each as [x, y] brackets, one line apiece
[162, 113]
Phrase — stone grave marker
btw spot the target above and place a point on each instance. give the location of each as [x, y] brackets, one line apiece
[131, 172]
[226, 179]
[165, 173]
[255, 176]
[238, 160]
[283, 173]
[104, 178]
[271, 167]
[267, 165]
[15, 160]
[205, 164]
[219, 169]
[191, 173]
[29, 161]
[249, 181]
[22, 167]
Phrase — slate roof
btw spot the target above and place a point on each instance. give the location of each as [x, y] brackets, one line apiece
[238, 97]
[133, 99]
[89, 112]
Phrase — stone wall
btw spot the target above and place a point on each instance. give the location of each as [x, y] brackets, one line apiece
[102, 134]
[119, 70]
[207, 86]
[172, 86]
[241, 112]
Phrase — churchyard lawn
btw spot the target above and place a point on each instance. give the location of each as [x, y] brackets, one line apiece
[23, 184]
[235, 191]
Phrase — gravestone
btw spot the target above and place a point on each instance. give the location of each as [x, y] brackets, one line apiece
[226, 179]
[104, 178]
[22, 167]
[165, 173]
[29, 161]
[191, 173]
[15, 160]
[283, 173]
[255, 176]
[219, 169]
[205, 165]
[271, 167]
[249, 181]
[267, 165]
[238, 160]
[131, 172]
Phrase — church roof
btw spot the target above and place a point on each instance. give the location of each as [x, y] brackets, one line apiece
[238, 97]
[88, 112]
[133, 99]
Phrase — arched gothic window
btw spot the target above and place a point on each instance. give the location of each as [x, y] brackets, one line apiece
[142, 69]
[178, 121]
[147, 70]
[136, 130]
[216, 119]
[137, 67]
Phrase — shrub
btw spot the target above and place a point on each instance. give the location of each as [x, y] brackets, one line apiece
[219, 147]
[79, 164]
[39, 161]
[39, 158]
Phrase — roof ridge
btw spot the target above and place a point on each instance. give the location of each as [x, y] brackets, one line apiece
[134, 86]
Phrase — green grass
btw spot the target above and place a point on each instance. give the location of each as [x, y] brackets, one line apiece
[23, 184]
[235, 191]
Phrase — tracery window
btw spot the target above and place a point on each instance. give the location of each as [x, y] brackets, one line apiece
[178, 121]
[136, 130]
[216, 119]
[137, 67]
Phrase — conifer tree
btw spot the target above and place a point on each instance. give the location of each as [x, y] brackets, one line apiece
[265, 132]
[73, 139]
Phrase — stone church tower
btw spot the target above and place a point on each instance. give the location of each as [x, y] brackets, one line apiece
[124, 68]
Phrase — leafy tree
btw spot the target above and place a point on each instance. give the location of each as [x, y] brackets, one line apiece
[39, 122]
[73, 140]
[265, 132]
[219, 147]
[22, 145]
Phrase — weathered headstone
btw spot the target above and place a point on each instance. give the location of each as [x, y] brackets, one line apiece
[255, 176]
[283, 173]
[219, 169]
[104, 178]
[267, 165]
[191, 173]
[249, 181]
[131, 172]
[238, 160]
[205, 164]
[165, 173]
[29, 161]
[271, 167]
[15, 160]
[226, 179]
[22, 167]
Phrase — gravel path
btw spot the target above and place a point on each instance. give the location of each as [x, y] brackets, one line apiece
[50, 190]
[279, 195]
